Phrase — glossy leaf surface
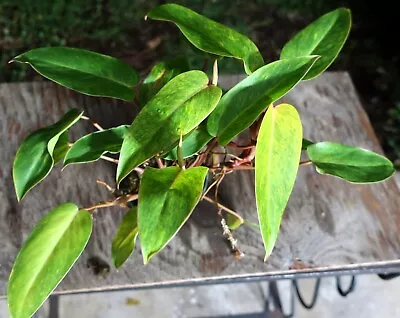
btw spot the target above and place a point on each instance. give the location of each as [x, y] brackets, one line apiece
[210, 36]
[192, 144]
[350, 163]
[34, 158]
[83, 71]
[178, 108]
[92, 146]
[306, 143]
[160, 75]
[61, 148]
[46, 257]
[167, 197]
[242, 105]
[325, 37]
[123, 243]
[278, 154]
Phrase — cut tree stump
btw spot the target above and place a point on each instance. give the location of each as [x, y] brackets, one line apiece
[329, 225]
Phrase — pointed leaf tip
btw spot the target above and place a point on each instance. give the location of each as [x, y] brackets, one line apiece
[210, 36]
[351, 163]
[47, 255]
[325, 37]
[35, 156]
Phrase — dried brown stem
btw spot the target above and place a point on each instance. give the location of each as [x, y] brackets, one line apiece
[223, 207]
[108, 187]
[120, 201]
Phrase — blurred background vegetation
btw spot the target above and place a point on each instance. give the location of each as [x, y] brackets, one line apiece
[117, 27]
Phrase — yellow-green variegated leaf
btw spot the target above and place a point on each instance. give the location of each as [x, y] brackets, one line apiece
[277, 160]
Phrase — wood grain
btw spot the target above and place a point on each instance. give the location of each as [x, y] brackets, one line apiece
[328, 222]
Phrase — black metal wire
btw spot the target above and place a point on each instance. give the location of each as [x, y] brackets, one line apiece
[388, 276]
[343, 292]
[314, 297]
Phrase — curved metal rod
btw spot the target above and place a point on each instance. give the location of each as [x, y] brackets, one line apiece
[314, 297]
[339, 288]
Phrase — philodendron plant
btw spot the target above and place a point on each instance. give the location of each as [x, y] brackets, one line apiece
[181, 144]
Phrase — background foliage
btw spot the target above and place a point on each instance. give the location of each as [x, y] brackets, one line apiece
[117, 28]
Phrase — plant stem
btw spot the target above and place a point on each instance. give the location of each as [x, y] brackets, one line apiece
[215, 73]
[234, 145]
[116, 161]
[94, 123]
[202, 156]
[121, 201]
[247, 159]
[223, 207]
[103, 183]
[160, 163]
[181, 161]
[109, 159]
[305, 163]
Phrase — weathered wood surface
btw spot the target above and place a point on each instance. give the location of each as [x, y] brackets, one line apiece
[328, 223]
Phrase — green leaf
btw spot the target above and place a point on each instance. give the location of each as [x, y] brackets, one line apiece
[83, 71]
[305, 143]
[178, 108]
[242, 105]
[167, 197]
[46, 257]
[34, 159]
[210, 36]
[91, 147]
[160, 75]
[123, 243]
[233, 222]
[62, 147]
[277, 161]
[325, 37]
[192, 143]
[350, 163]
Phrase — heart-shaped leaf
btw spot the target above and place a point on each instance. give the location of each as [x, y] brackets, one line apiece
[91, 147]
[210, 36]
[325, 37]
[83, 71]
[46, 257]
[278, 154]
[350, 163]
[178, 108]
[61, 148]
[167, 197]
[34, 159]
[192, 143]
[242, 105]
[123, 243]
[160, 75]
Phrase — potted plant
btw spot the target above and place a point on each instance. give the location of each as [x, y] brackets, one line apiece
[180, 146]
